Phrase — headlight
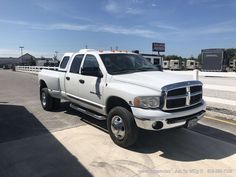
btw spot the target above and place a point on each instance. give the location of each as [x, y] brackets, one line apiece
[147, 102]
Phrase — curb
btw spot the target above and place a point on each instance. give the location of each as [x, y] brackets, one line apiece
[221, 113]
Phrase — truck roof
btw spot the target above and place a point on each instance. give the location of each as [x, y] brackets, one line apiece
[84, 51]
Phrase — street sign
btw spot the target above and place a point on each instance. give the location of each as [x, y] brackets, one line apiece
[158, 47]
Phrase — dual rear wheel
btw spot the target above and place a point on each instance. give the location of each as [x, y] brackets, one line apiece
[47, 101]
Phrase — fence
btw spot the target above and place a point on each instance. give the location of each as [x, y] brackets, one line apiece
[33, 69]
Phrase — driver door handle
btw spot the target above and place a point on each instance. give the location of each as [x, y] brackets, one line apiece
[67, 78]
[81, 81]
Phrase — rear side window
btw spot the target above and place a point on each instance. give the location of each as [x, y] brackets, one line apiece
[75, 65]
[64, 62]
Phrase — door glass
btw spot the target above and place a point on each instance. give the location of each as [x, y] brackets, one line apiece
[90, 62]
[75, 66]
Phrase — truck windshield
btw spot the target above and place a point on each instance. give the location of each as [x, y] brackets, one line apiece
[126, 63]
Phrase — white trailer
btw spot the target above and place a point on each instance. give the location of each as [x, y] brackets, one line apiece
[175, 65]
[154, 59]
[197, 65]
[166, 64]
[190, 64]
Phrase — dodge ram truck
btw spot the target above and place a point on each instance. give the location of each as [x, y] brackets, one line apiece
[124, 89]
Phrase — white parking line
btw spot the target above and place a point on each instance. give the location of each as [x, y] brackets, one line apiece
[220, 100]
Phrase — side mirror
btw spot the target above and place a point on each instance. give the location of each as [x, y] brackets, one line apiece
[92, 71]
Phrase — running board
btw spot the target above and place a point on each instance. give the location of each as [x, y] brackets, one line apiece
[98, 117]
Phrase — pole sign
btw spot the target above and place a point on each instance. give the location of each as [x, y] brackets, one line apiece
[158, 47]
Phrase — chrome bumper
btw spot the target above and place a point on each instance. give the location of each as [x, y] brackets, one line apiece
[170, 121]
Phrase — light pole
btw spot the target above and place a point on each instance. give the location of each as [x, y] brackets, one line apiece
[56, 52]
[21, 49]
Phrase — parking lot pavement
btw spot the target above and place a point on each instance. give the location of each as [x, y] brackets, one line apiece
[36, 143]
[19, 100]
[86, 150]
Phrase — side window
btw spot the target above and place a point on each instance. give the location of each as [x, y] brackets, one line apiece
[156, 61]
[64, 62]
[75, 65]
[149, 59]
[90, 61]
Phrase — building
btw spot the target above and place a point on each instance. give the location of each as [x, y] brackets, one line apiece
[27, 60]
[214, 60]
[8, 61]
[154, 59]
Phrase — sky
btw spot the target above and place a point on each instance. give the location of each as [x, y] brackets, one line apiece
[46, 26]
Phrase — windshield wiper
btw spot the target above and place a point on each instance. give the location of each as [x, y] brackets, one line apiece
[124, 71]
[147, 69]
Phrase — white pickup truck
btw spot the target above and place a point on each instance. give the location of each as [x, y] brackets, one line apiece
[124, 88]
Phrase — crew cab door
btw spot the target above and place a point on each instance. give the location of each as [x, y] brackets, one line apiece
[72, 85]
[91, 85]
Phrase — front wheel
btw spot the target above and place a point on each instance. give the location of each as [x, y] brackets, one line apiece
[122, 127]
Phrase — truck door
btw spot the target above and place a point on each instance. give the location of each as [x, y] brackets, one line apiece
[72, 77]
[91, 87]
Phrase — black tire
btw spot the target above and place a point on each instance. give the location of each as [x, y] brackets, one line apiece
[130, 127]
[47, 101]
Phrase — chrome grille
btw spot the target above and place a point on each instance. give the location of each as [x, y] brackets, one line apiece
[181, 95]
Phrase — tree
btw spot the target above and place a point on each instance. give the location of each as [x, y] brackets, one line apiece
[230, 53]
[173, 57]
[199, 58]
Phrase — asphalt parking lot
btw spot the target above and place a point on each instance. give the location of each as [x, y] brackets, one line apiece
[35, 143]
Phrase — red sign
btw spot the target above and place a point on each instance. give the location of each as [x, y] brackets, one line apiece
[158, 47]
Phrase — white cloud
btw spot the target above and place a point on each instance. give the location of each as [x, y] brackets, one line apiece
[103, 28]
[9, 52]
[134, 31]
[165, 26]
[218, 28]
[194, 2]
[128, 31]
[133, 11]
[13, 22]
[205, 31]
[112, 7]
[121, 8]
[64, 26]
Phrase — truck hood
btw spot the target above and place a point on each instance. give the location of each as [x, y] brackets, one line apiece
[152, 79]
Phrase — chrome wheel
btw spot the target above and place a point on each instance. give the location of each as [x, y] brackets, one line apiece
[44, 100]
[117, 127]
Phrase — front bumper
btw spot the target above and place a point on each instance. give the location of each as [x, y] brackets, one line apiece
[145, 118]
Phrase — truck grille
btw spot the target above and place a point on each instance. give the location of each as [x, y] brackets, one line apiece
[182, 95]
